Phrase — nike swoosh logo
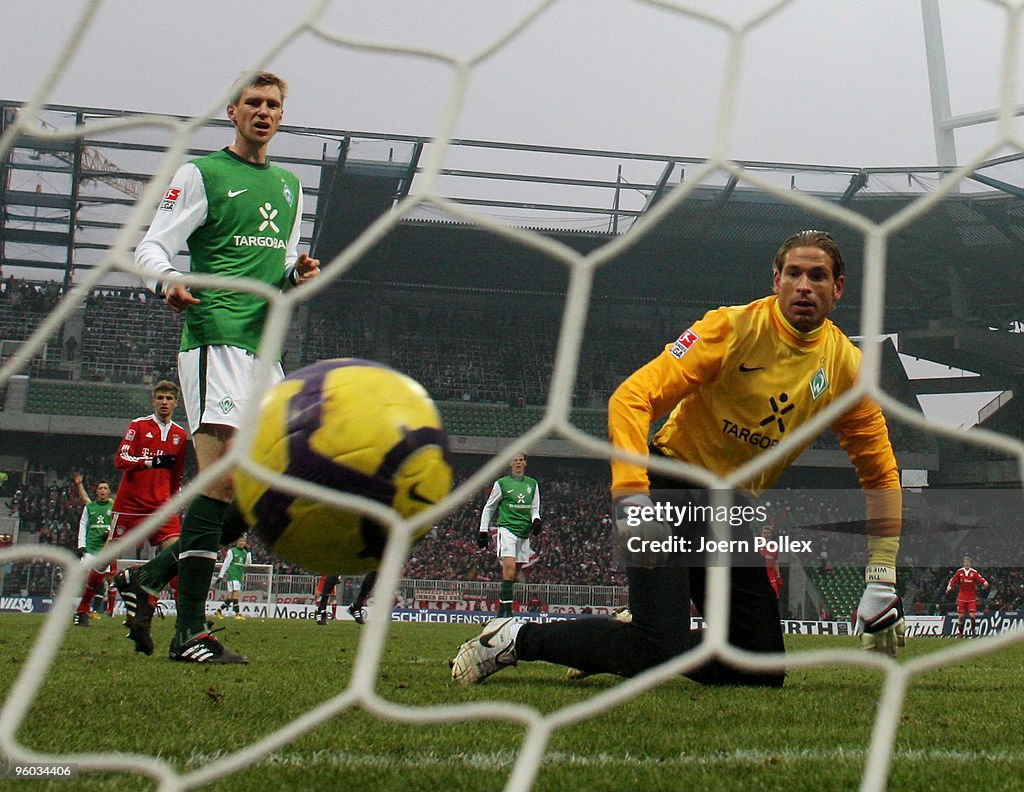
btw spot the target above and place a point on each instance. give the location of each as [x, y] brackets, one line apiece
[414, 495]
[233, 193]
[746, 369]
[485, 639]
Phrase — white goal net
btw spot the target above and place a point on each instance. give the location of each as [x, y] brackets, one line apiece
[718, 169]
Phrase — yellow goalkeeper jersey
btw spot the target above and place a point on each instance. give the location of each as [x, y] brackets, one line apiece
[736, 384]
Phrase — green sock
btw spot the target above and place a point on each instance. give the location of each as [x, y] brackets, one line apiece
[200, 540]
[159, 571]
[505, 598]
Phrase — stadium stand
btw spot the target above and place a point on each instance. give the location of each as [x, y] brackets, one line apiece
[488, 368]
[576, 548]
[489, 372]
[129, 337]
[96, 399]
[24, 305]
[840, 587]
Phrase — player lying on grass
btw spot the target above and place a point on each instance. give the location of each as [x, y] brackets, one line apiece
[735, 384]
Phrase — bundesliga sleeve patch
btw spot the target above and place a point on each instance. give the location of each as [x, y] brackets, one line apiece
[170, 199]
[683, 343]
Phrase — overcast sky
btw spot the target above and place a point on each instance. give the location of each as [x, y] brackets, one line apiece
[833, 82]
[837, 82]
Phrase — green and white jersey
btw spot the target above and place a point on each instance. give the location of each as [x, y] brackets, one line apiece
[517, 502]
[234, 564]
[237, 220]
[94, 526]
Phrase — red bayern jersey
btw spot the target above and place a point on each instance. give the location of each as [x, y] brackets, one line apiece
[319, 590]
[771, 557]
[967, 580]
[144, 489]
[771, 565]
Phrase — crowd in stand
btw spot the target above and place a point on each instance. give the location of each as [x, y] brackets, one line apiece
[477, 355]
[463, 356]
[129, 337]
[474, 355]
[51, 511]
[933, 544]
[24, 305]
[31, 297]
[576, 547]
[49, 508]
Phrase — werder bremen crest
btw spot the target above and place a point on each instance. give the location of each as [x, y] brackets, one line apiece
[819, 383]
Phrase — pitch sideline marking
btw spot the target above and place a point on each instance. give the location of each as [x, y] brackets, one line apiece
[505, 759]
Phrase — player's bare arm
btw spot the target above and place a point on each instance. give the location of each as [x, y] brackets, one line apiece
[76, 478]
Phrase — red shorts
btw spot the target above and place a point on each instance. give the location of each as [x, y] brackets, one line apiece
[121, 524]
[965, 606]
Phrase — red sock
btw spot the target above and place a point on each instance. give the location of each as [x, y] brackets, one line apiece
[92, 583]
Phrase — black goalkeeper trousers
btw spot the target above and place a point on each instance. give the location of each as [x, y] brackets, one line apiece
[659, 599]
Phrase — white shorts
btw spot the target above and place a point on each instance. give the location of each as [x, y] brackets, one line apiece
[216, 384]
[87, 560]
[233, 585]
[511, 546]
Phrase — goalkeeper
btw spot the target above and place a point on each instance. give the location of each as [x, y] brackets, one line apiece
[735, 384]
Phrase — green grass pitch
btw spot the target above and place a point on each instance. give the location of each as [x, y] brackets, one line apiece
[961, 724]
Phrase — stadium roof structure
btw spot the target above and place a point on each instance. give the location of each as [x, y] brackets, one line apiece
[955, 275]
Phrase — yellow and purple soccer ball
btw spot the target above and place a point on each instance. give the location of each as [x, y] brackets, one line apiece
[353, 426]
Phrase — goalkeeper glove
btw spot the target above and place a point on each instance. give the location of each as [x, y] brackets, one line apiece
[161, 461]
[880, 621]
[537, 525]
[482, 540]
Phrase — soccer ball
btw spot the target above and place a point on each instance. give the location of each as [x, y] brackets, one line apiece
[355, 426]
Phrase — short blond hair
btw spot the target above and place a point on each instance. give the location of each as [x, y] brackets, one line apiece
[260, 79]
